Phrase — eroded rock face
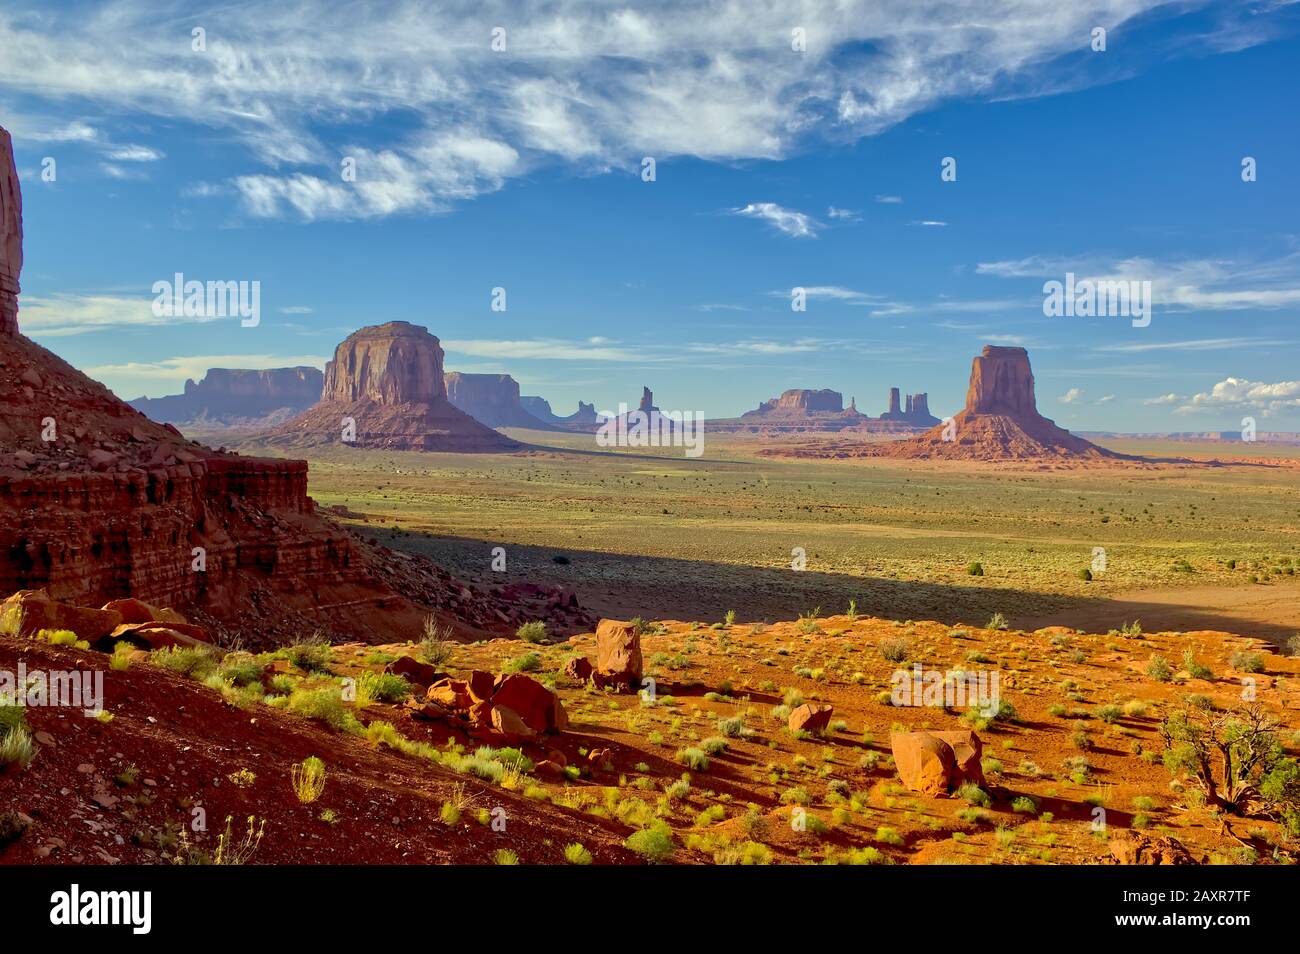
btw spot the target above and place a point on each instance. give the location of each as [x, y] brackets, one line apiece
[392, 363]
[11, 236]
[1001, 383]
[238, 395]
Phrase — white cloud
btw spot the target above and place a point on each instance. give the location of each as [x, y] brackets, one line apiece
[843, 215]
[545, 348]
[890, 199]
[1164, 399]
[933, 223]
[1072, 396]
[596, 86]
[1240, 394]
[1182, 285]
[134, 153]
[788, 221]
[62, 315]
[296, 310]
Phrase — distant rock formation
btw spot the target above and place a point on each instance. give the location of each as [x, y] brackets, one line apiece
[647, 401]
[916, 410]
[540, 408]
[11, 236]
[238, 396]
[385, 388]
[491, 399]
[800, 401]
[1000, 420]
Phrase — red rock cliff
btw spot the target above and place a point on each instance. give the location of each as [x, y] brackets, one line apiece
[1001, 382]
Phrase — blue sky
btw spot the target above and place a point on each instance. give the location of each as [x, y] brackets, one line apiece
[775, 168]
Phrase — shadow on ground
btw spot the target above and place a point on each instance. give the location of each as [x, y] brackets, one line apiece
[624, 586]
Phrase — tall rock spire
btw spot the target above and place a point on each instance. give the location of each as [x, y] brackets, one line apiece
[11, 236]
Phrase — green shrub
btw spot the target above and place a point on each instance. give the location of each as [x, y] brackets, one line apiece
[654, 844]
[974, 568]
[532, 632]
[312, 654]
[197, 663]
[895, 649]
[575, 854]
[1158, 668]
[528, 662]
[1243, 661]
[324, 705]
[384, 686]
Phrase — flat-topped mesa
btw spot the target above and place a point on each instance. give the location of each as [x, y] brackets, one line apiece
[11, 236]
[237, 395]
[392, 363]
[540, 408]
[491, 399]
[1001, 382]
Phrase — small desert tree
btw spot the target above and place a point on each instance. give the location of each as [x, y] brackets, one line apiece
[1235, 758]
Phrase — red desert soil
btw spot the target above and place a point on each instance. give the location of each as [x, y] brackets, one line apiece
[1049, 765]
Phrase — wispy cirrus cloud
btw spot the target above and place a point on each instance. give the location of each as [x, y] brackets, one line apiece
[1204, 284]
[592, 86]
[789, 222]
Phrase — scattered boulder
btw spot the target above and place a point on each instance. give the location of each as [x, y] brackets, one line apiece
[579, 669]
[34, 610]
[418, 673]
[450, 694]
[506, 721]
[138, 611]
[935, 763]
[163, 635]
[618, 654]
[481, 685]
[810, 717]
[1129, 847]
[538, 707]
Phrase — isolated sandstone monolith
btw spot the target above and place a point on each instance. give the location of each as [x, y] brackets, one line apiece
[385, 389]
[11, 236]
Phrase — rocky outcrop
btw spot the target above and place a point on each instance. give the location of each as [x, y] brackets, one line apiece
[540, 408]
[1000, 421]
[11, 236]
[385, 389]
[238, 397]
[491, 399]
[647, 401]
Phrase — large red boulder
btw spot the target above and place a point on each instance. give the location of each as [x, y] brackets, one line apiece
[935, 763]
[415, 672]
[138, 611]
[618, 654]
[538, 707]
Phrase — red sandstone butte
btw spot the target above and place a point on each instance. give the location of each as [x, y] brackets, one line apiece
[385, 389]
[1000, 420]
[11, 236]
